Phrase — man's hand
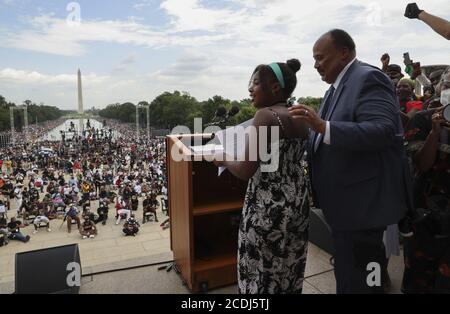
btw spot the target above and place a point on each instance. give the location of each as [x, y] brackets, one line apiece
[412, 11]
[307, 114]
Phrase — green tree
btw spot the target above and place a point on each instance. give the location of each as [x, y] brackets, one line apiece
[41, 112]
[172, 109]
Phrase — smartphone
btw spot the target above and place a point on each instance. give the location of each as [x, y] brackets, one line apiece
[406, 59]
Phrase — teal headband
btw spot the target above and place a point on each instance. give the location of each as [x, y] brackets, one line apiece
[277, 70]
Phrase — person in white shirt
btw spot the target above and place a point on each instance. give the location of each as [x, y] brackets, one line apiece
[39, 183]
[67, 190]
[38, 221]
[73, 181]
[18, 196]
[123, 210]
[74, 193]
[2, 209]
[138, 188]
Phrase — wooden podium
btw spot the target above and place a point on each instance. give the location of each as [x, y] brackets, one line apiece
[204, 213]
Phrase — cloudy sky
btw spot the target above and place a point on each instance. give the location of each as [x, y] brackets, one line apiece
[135, 50]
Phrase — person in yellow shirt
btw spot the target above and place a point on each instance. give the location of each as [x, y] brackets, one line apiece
[8, 164]
[85, 189]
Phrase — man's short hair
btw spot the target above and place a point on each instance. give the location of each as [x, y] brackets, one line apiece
[342, 39]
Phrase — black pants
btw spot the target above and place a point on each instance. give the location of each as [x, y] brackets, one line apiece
[354, 251]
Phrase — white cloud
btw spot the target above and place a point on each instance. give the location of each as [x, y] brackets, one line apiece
[143, 4]
[126, 64]
[190, 15]
[188, 67]
[52, 35]
[34, 77]
[218, 47]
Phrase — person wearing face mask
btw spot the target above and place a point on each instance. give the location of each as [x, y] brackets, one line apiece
[427, 251]
[431, 94]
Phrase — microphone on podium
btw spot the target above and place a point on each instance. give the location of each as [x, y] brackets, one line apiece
[222, 116]
[219, 115]
[233, 111]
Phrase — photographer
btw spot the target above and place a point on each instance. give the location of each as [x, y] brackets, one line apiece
[149, 207]
[14, 229]
[102, 213]
[131, 227]
[427, 252]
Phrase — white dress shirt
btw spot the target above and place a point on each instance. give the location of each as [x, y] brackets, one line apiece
[327, 136]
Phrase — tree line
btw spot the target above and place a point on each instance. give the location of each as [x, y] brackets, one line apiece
[36, 113]
[169, 110]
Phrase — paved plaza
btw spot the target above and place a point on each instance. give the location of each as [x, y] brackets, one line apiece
[110, 250]
[109, 246]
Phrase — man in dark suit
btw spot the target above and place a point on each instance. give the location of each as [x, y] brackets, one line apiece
[357, 162]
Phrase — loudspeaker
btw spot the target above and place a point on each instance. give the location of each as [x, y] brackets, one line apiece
[51, 270]
[320, 231]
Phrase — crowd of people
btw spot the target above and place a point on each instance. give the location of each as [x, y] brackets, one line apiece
[426, 228]
[44, 180]
[378, 166]
[34, 133]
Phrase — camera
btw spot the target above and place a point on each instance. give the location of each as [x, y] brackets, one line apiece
[446, 113]
[406, 59]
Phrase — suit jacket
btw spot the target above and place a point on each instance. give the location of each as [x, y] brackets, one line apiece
[361, 181]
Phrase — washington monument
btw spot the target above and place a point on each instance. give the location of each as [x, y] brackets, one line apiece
[80, 103]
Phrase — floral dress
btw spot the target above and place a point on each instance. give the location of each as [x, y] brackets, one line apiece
[273, 232]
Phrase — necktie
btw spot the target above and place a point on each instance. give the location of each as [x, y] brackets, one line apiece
[323, 113]
[327, 104]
